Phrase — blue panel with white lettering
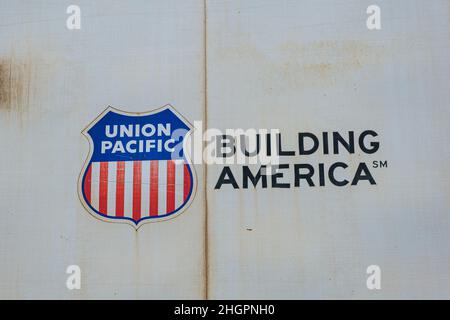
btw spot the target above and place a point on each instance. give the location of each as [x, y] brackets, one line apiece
[119, 137]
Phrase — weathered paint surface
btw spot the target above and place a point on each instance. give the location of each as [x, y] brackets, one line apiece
[136, 56]
[314, 66]
[291, 65]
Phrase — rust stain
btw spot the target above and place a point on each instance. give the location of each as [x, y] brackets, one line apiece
[14, 84]
[325, 62]
[205, 170]
[4, 83]
[295, 65]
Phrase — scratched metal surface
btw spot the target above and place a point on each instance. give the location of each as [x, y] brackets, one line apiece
[138, 56]
[313, 66]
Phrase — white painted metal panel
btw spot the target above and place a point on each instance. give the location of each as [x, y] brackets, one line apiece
[289, 65]
[135, 55]
[314, 66]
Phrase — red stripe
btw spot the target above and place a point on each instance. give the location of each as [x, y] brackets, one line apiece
[120, 188]
[187, 182]
[153, 188]
[87, 184]
[137, 177]
[103, 189]
[170, 206]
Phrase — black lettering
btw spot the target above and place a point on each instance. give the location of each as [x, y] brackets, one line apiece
[226, 141]
[226, 177]
[276, 175]
[363, 173]
[349, 146]
[302, 150]
[248, 175]
[321, 174]
[374, 144]
[281, 152]
[307, 176]
[244, 149]
[325, 142]
[331, 174]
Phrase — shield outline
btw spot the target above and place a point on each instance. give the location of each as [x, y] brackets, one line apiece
[83, 171]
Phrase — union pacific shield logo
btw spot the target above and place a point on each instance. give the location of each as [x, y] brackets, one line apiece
[137, 171]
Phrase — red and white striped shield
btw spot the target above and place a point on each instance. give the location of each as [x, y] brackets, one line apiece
[137, 171]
